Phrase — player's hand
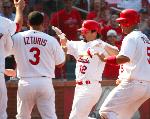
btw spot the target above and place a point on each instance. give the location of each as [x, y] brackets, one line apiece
[19, 4]
[57, 30]
[10, 72]
[63, 39]
[118, 81]
[101, 56]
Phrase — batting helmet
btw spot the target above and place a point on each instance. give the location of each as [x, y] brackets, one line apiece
[90, 25]
[128, 17]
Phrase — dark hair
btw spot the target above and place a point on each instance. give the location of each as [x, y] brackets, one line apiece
[35, 18]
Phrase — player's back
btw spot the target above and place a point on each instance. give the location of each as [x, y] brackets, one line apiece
[36, 54]
[143, 56]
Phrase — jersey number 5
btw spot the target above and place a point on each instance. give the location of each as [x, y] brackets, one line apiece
[36, 56]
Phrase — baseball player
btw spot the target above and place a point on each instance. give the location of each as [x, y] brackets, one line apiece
[134, 78]
[36, 55]
[7, 28]
[88, 67]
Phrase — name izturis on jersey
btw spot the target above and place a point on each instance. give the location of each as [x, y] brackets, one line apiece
[35, 40]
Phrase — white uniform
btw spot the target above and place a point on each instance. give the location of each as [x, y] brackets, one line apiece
[36, 54]
[87, 69]
[134, 89]
[7, 28]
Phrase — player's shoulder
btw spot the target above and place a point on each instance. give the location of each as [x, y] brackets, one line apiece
[50, 39]
[78, 43]
[134, 34]
[99, 41]
[18, 35]
[4, 20]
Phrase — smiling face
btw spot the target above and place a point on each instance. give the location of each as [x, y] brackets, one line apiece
[89, 35]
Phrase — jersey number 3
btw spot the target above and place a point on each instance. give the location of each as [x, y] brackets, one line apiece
[36, 56]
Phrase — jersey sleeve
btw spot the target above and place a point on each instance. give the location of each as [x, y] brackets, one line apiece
[72, 48]
[128, 47]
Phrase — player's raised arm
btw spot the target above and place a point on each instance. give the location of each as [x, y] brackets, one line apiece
[111, 50]
[119, 59]
[19, 5]
[62, 36]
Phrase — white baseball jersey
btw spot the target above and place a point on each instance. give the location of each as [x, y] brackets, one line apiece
[87, 67]
[7, 28]
[36, 54]
[136, 46]
[8, 24]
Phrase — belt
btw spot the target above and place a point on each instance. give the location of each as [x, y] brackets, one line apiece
[80, 82]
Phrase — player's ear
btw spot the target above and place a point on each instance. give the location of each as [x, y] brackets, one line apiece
[42, 26]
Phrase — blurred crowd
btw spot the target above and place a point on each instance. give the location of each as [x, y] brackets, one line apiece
[68, 15]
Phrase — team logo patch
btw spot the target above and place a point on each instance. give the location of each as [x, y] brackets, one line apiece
[1, 35]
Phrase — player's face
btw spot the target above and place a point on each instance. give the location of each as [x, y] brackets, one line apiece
[89, 36]
[125, 29]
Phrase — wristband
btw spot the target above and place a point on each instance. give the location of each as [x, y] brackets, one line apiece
[111, 60]
[64, 47]
[17, 27]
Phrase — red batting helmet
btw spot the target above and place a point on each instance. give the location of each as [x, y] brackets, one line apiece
[128, 17]
[90, 25]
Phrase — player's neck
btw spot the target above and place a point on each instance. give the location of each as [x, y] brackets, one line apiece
[88, 40]
[37, 28]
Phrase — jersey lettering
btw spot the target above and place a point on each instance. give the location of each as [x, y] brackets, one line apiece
[35, 40]
[148, 54]
[36, 56]
[121, 69]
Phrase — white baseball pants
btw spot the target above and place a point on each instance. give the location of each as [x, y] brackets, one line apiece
[3, 97]
[85, 97]
[37, 91]
[125, 99]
